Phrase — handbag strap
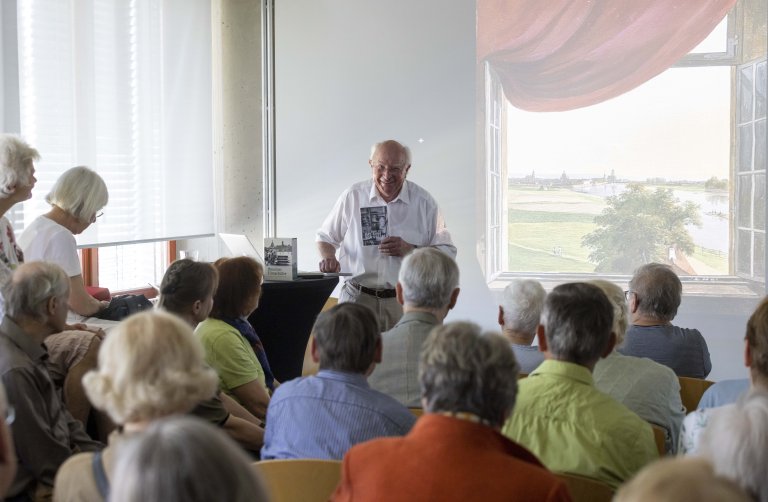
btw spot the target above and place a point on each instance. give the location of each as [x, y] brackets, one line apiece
[100, 474]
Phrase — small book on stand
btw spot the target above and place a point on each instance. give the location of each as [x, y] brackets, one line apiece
[280, 259]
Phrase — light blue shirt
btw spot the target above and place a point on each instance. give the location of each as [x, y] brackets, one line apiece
[323, 416]
[529, 357]
[724, 392]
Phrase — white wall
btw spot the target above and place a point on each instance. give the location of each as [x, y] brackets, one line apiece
[350, 73]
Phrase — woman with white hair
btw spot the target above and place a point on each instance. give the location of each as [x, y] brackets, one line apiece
[17, 179]
[646, 387]
[150, 366]
[183, 459]
[76, 200]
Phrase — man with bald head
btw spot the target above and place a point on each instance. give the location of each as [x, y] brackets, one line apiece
[44, 433]
[412, 219]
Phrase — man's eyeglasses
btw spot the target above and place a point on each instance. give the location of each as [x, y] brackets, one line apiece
[391, 169]
[627, 293]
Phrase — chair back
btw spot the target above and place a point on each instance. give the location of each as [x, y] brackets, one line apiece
[660, 436]
[585, 489]
[691, 390]
[300, 480]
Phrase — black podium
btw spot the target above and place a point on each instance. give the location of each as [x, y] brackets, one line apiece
[284, 320]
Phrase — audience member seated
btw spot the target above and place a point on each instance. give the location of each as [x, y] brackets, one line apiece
[71, 353]
[755, 358]
[519, 316]
[646, 387]
[44, 432]
[76, 200]
[654, 295]
[232, 347]
[324, 415]
[150, 366]
[183, 459]
[7, 455]
[427, 288]
[736, 442]
[187, 291]
[560, 415]
[724, 392]
[680, 480]
[455, 451]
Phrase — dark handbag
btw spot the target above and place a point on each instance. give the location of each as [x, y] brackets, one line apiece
[121, 307]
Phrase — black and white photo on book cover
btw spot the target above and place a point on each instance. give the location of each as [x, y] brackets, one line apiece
[280, 258]
[374, 224]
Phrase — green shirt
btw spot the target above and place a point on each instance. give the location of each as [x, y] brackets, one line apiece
[574, 428]
[229, 353]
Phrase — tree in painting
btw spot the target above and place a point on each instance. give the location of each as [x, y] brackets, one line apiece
[640, 226]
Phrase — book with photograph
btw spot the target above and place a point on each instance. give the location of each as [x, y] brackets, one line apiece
[280, 259]
[374, 223]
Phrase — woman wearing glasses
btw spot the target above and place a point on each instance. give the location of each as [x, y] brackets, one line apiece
[76, 200]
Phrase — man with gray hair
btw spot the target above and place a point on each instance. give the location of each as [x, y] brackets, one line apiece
[322, 416]
[427, 288]
[560, 415]
[654, 294]
[372, 252]
[455, 451]
[44, 432]
[519, 314]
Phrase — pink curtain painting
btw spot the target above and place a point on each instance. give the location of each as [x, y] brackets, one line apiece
[557, 55]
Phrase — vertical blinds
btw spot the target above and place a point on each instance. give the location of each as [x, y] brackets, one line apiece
[124, 87]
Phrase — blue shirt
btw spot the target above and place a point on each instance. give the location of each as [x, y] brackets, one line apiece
[684, 350]
[724, 392]
[323, 416]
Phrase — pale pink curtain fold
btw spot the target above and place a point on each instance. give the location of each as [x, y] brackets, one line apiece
[557, 55]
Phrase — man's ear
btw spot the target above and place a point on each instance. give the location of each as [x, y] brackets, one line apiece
[314, 350]
[454, 298]
[747, 354]
[196, 307]
[541, 337]
[501, 316]
[399, 293]
[379, 351]
[610, 346]
[52, 305]
[633, 303]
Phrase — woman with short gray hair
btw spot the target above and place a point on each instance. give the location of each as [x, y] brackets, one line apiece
[183, 459]
[76, 200]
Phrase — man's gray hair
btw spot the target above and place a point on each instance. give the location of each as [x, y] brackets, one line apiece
[577, 320]
[463, 369]
[15, 158]
[735, 442]
[405, 149]
[183, 459]
[522, 302]
[346, 337]
[81, 192]
[32, 285]
[658, 291]
[428, 278]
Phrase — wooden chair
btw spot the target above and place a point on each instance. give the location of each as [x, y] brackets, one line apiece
[300, 480]
[585, 489]
[691, 390]
[660, 436]
[417, 411]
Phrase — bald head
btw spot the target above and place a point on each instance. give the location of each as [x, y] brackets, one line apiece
[390, 162]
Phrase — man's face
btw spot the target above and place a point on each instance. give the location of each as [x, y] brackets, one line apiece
[389, 170]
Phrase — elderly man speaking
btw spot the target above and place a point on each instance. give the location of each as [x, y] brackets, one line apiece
[374, 224]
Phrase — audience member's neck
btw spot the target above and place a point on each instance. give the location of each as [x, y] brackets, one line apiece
[759, 381]
[518, 337]
[6, 204]
[62, 217]
[590, 366]
[642, 319]
[136, 426]
[37, 330]
[438, 313]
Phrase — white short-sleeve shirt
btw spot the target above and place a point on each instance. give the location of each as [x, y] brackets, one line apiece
[46, 240]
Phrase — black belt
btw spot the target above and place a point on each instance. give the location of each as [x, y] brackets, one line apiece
[378, 293]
